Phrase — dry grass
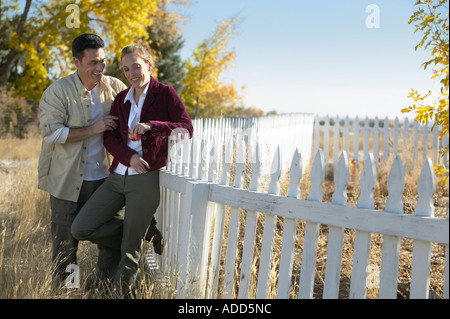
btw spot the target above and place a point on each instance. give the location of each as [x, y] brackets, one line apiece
[410, 197]
[25, 246]
[25, 239]
[25, 222]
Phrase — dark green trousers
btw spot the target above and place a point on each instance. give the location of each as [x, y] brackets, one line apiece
[65, 246]
[96, 223]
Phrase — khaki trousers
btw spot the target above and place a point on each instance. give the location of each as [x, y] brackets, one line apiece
[96, 223]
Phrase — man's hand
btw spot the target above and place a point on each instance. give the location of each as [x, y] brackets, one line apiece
[139, 164]
[106, 122]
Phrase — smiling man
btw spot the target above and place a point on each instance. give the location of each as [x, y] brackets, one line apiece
[74, 113]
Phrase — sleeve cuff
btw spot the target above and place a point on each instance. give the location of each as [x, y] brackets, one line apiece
[58, 137]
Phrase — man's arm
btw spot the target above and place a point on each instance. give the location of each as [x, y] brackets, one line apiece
[53, 115]
[106, 122]
[64, 135]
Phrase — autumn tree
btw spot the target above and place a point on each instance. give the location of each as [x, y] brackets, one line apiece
[242, 111]
[38, 46]
[164, 39]
[431, 18]
[204, 94]
[11, 23]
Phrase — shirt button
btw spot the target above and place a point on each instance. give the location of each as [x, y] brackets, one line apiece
[145, 151]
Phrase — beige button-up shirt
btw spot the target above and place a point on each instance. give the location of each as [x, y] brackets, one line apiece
[67, 103]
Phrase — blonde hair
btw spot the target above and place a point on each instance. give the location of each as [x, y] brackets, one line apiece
[140, 50]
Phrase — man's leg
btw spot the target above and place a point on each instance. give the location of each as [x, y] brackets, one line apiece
[64, 250]
[65, 246]
[154, 235]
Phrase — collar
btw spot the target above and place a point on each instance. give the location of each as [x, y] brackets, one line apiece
[81, 90]
[130, 94]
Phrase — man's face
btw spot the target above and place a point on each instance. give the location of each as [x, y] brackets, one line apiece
[91, 66]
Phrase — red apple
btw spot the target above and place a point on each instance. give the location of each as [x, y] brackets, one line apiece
[135, 138]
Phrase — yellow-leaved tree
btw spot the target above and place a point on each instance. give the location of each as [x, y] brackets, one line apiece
[37, 44]
[431, 18]
[204, 94]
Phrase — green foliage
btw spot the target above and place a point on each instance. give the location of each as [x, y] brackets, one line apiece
[431, 18]
[165, 41]
[114, 69]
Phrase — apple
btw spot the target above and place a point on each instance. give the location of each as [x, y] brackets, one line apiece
[135, 138]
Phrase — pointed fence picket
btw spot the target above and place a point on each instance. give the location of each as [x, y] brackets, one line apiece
[336, 233]
[268, 234]
[311, 231]
[384, 138]
[250, 232]
[391, 244]
[289, 231]
[204, 197]
[361, 252]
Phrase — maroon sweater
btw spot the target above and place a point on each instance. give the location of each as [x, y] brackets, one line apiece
[164, 110]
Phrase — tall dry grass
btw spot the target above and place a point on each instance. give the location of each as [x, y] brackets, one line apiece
[410, 198]
[25, 235]
[25, 243]
[24, 252]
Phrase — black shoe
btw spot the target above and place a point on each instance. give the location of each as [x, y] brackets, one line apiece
[154, 235]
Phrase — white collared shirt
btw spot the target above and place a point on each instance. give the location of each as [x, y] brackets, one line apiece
[96, 168]
[133, 119]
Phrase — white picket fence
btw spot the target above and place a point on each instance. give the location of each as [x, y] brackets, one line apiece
[204, 198]
[383, 138]
[289, 132]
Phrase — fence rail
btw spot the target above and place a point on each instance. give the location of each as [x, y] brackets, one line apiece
[285, 131]
[384, 138]
[212, 225]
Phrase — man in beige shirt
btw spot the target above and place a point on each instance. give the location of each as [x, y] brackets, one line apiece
[74, 113]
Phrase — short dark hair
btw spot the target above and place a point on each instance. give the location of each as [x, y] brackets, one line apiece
[86, 41]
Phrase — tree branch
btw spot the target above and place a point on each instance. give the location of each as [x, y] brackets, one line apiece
[23, 18]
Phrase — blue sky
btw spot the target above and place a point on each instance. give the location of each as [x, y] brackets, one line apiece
[318, 56]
